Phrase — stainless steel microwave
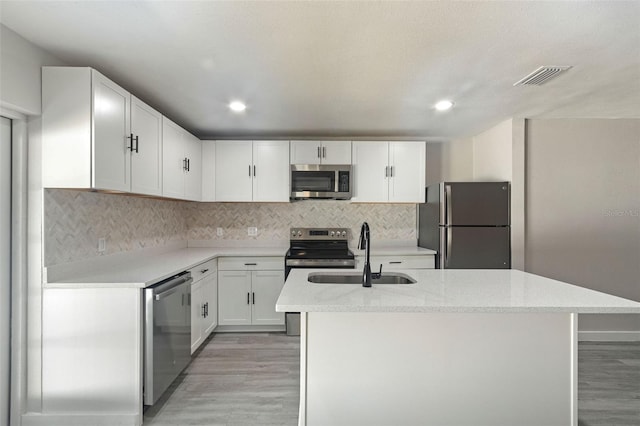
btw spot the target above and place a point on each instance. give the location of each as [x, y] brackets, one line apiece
[321, 181]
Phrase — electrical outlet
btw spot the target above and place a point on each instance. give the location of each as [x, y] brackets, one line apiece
[219, 232]
[102, 245]
[252, 231]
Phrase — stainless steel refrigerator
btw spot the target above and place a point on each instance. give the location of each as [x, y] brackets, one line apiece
[468, 224]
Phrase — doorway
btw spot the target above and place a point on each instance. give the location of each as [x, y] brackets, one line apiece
[5, 266]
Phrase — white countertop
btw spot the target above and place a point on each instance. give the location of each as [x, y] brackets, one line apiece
[144, 268]
[449, 290]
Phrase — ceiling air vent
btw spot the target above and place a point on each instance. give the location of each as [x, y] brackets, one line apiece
[541, 76]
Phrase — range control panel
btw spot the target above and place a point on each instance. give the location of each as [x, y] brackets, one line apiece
[319, 233]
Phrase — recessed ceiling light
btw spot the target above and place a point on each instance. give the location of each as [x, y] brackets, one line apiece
[237, 106]
[444, 105]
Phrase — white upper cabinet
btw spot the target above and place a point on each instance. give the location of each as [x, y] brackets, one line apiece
[112, 139]
[181, 163]
[320, 152]
[389, 172]
[208, 170]
[407, 167]
[252, 171]
[233, 171]
[271, 171]
[193, 176]
[97, 135]
[146, 162]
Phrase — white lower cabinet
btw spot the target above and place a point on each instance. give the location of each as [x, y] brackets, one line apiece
[247, 293]
[204, 302]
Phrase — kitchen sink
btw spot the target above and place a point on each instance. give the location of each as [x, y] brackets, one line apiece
[356, 278]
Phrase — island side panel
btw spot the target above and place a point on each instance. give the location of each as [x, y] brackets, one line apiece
[440, 368]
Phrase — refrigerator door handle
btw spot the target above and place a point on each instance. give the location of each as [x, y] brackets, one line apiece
[448, 206]
[444, 248]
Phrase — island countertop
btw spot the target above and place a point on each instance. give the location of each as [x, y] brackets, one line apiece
[448, 290]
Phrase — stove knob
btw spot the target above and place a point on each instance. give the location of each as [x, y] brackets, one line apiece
[333, 233]
[344, 234]
[293, 233]
[299, 233]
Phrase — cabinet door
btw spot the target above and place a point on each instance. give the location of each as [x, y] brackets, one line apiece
[336, 152]
[146, 161]
[234, 172]
[266, 288]
[172, 160]
[407, 182]
[305, 152]
[370, 171]
[234, 292]
[111, 128]
[193, 176]
[210, 300]
[271, 171]
[208, 170]
[196, 315]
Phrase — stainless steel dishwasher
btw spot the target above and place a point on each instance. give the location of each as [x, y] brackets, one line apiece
[167, 338]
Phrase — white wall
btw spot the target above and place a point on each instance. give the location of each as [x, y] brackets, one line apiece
[450, 161]
[5, 266]
[583, 208]
[20, 63]
[492, 153]
[20, 92]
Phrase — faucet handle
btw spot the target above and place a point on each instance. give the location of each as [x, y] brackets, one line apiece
[376, 275]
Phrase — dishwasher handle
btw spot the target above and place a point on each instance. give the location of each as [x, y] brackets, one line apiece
[170, 286]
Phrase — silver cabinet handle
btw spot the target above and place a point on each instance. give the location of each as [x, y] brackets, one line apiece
[254, 171]
[386, 171]
[397, 262]
[253, 298]
[247, 298]
[391, 171]
[249, 170]
[318, 152]
[250, 264]
[324, 152]
[204, 271]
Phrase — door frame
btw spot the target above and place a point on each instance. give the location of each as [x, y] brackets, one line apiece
[19, 221]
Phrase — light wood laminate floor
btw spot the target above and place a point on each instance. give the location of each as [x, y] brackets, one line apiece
[253, 379]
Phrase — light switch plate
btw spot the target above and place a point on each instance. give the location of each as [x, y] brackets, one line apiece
[219, 232]
[252, 231]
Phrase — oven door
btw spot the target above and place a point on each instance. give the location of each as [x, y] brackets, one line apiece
[320, 181]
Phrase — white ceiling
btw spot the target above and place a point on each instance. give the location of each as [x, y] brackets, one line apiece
[349, 68]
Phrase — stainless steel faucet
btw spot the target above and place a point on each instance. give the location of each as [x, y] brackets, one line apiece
[365, 244]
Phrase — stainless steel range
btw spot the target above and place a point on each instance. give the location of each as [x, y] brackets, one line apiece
[316, 248]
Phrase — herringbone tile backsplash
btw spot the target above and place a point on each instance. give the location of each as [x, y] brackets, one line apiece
[74, 220]
[273, 220]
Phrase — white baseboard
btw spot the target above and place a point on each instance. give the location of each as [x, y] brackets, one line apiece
[45, 419]
[609, 336]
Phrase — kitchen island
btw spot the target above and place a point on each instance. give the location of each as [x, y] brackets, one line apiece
[458, 347]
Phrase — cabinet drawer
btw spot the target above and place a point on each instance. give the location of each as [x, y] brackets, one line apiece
[251, 263]
[202, 270]
[398, 262]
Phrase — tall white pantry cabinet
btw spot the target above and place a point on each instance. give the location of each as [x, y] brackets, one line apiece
[96, 135]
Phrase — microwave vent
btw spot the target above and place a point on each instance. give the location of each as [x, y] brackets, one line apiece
[541, 75]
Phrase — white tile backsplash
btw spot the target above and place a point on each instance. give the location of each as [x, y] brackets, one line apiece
[74, 220]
